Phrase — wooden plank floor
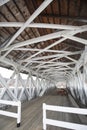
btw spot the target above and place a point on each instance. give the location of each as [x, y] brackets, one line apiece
[32, 114]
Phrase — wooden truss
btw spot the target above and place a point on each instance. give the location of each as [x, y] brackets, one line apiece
[49, 69]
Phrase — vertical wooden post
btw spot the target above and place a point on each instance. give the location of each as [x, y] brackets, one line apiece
[44, 116]
[19, 114]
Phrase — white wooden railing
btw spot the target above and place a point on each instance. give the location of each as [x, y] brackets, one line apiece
[63, 124]
[12, 114]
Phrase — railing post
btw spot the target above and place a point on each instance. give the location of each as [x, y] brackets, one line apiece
[63, 124]
[44, 116]
[19, 114]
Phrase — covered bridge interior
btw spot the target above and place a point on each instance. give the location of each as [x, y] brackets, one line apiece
[47, 41]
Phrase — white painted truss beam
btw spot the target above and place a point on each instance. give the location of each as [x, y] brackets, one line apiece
[39, 25]
[24, 89]
[21, 67]
[72, 53]
[44, 57]
[71, 59]
[50, 56]
[50, 46]
[77, 39]
[43, 64]
[52, 70]
[2, 2]
[5, 85]
[8, 62]
[44, 38]
[53, 65]
[31, 18]
[60, 71]
[46, 64]
[14, 64]
[35, 40]
[57, 76]
[16, 84]
[5, 89]
[48, 50]
[54, 59]
[80, 62]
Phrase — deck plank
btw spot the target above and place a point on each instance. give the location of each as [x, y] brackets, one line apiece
[32, 114]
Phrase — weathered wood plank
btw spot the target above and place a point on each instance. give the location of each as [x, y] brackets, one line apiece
[32, 114]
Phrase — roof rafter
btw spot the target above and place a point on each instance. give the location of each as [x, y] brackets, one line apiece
[31, 18]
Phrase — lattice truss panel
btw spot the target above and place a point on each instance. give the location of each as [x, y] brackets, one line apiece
[53, 56]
